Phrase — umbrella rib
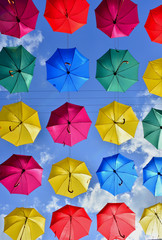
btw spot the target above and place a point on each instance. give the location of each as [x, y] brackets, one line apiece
[79, 12]
[109, 10]
[127, 13]
[72, 6]
[9, 54]
[54, 66]
[29, 65]
[29, 17]
[127, 68]
[80, 223]
[23, 9]
[9, 12]
[79, 65]
[73, 83]
[155, 70]
[154, 20]
[15, 83]
[150, 178]
[105, 67]
[51, 2]
[121, 219]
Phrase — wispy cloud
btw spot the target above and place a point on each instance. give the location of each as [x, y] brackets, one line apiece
[45, 158]
[52, 205]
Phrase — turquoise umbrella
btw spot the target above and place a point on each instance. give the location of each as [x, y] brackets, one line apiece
[152, 126]
[16, 69]
[117, 70]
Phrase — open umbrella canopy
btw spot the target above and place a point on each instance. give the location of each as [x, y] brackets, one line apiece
[152, 127]
[152, 176]
[116, 174]
[19, 123]
[153, 77]
[69, 177]
[16, 69]
[69, 124]
[70, 223]
[66, 16]
[151, 221]
[117, 18]
[117, 70]
[116, 123]
[21, 174]
[67, 69]
[116, 221]
[17, 17]
[153, 24]
[24, 224]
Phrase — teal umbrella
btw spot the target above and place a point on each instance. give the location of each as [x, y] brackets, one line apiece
[16, 69]
[152, 126]
[117, 70]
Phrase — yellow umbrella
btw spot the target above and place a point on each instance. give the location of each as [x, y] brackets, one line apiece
[24, 224]
[19, 123]
[153, 77]
[116, 123]
[151, 221]
[69, 177]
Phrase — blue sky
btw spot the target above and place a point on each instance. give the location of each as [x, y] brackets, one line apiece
[43, 97]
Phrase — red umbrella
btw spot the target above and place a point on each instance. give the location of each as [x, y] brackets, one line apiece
[70, 223]
[66, 16]
[117, 18]
[69, 124]
[17, 17]
[20, 174]
[153, 24]
[116, 221]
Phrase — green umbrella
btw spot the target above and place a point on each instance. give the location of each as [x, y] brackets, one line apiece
[16, 69]
[117, 70]
[152, 126]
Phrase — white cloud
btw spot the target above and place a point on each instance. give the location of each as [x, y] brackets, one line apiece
[143, 93]
[42, 61]
[30, 41]
[52, 205]
[45, 158]
[3, 236]
[4, 207]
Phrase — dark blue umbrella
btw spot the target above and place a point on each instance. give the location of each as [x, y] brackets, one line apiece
[67, 69]
[117, 174]
[152, 176]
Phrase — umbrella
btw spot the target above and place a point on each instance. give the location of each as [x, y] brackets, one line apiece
[17, 17]
[67, 69]
[16, 69]
[152, 176]
[66, 16]
[116, 221]
[153, 77]
[70, 223]
[152, 126]
[117, 174]
[117, 18]
[153, 24]
[117, 70]
[69, 177]
[69, 124]
[19, 123]
[21, 174]
[151, 221]
[24, 224]
[116, 123]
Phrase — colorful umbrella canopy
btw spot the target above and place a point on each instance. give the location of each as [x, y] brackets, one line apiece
[19, 123]
[151, 221]
[152, 176]
[67, 69]
[117, 18]
[69, 177]
[16, 69]
[153, 77]
[17, 17]
[153, 24]
[116, 174]
[117, 70]
[69, 124]
[21, 174]
[24, 224]
[116, 123]
[152, 127]
[70, 223]
[66, 16]
[116, 221]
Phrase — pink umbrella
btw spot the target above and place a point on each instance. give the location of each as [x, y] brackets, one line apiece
[69, 124]
[20, 174]
[117, 18]
[17, 17]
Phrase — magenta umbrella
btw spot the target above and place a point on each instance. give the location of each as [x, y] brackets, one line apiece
[117, 18]
[69, 124]
[17, 17]
[20, 174]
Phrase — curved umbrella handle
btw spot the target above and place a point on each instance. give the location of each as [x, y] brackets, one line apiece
[67, 63]
[70, 191]
[10, 72]
[120, 122]
[68, 130]
[11, 2]
[11, 130]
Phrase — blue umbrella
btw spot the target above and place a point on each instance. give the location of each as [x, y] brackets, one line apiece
[67, 69]
[152, 176]
[117, 174]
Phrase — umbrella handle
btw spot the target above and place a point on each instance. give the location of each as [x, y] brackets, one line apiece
[10, 72]
[11, 2]
[11, 130]
[68, 130]
[23, 228]
[123, 236]
[120, 122]
[69, 184]
[67, 63]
